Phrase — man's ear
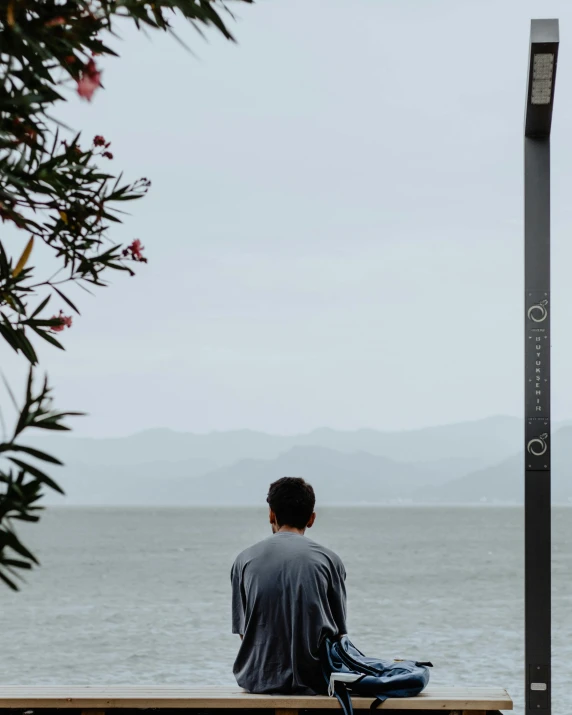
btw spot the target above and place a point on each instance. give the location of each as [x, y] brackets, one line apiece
[311, 522]
[271, 516]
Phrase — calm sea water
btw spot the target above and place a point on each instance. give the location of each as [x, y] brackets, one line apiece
[142, 595]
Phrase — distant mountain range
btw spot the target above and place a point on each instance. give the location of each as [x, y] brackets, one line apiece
[479, 443]
[472, 462]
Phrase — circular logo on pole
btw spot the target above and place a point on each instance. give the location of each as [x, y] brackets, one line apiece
[537, 446]
[538, 313]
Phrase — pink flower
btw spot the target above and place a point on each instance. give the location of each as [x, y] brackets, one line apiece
[89, 81]
[135, 248]
[135, 251]
[65, 322]
[107, 155]
[99, 140]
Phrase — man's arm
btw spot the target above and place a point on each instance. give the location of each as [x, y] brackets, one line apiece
[337, 599]
[238, 600]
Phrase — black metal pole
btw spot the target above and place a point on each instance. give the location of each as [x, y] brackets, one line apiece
[542, 71]
[537, 412]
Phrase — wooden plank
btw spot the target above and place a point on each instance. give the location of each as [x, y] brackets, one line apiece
[94, 698]
[281, 711]
[224, 689]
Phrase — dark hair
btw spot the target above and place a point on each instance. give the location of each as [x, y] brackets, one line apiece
[292, 500]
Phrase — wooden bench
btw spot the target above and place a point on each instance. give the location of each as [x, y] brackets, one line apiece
[97, 700]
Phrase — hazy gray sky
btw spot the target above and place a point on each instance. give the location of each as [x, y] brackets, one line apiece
[334, 229]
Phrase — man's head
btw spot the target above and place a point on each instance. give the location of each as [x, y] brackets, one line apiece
[291, 501]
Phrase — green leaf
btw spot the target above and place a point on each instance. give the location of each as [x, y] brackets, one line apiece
[42, 476]
[10, 539]
[67, 300]
[27, 348]
[16, 563]
[23, 258]
[48, 337]
[26, 517]
[6, 580]
[41, 307]
[9, 447]
[29, 384]
[45, 424]
[9, 337]
[16, 337]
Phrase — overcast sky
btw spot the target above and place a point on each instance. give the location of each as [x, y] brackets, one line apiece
[334, 229]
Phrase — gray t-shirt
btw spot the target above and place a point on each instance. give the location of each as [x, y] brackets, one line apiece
[288, 594]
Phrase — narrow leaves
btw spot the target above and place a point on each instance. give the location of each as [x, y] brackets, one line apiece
[23, 258]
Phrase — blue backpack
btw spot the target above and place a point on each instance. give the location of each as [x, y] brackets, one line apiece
[348, 671]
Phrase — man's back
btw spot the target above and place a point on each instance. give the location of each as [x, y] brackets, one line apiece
[288, 594]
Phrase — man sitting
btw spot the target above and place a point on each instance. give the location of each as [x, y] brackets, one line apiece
[288, 595]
